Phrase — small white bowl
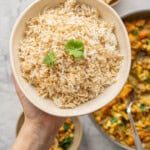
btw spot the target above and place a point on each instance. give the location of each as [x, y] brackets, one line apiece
[77, 133]
[109, 15]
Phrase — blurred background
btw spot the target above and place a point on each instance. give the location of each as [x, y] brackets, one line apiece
[10, 108]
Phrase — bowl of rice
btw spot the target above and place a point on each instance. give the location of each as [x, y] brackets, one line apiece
[70, 57]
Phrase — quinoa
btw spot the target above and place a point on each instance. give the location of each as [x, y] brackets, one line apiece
[70, 82]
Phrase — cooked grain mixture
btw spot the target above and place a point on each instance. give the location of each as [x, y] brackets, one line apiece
[69, 54]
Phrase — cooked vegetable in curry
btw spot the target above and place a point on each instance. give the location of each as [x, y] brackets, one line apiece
[65, 136]
[113, 118]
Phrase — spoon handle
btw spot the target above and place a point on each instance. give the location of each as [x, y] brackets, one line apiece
[137, 140]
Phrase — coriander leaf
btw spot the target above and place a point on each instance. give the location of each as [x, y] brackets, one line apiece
[148, 80]
[142, 107]
[66, 127]
[124, 124]
[50, 59]
[66, 142]
[148, 128]
[141, 27]
[75, 48]
[135, 32]
[76, 54]
[114, 120]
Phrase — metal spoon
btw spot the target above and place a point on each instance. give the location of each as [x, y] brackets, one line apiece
[137, 141]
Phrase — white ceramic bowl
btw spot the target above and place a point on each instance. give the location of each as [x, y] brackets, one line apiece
[77, 133]
[109, 15]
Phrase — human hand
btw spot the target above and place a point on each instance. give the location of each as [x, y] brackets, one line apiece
[38, 126]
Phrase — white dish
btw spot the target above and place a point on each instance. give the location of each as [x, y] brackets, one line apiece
[109, 15]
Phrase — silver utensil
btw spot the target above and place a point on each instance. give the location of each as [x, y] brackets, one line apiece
[137, 141]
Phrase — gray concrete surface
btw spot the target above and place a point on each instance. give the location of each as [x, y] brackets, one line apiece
[10, 107]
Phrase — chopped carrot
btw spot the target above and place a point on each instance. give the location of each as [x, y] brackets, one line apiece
[130, 141]
[148, 23]
[143, 34]
[132, 37]
[130, 27]
[126, 90]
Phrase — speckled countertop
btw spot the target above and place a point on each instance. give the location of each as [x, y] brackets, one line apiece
[10, 107]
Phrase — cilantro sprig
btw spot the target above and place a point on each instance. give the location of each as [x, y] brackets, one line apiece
[66, 127]
[148, 128]
[135, 32]
[50, 59]
[75, 48]
[142, 107]
[141, 27]
[114, 120]
[148, 80]
[66, 142]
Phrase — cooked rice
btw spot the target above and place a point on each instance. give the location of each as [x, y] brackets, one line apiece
[70, 82]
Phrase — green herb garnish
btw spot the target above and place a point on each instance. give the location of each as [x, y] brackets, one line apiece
[66, 127]
[114, 120]
[142, 107]
[148, 80]
[135, 32]
[148, 128]
[124, 124]
[50, 59]
[141, 27]
[66, 142]
[75, 48]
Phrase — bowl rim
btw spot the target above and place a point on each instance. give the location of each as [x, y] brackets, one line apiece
[77, 121]
[135, 14]
[114, 3]
[65, 114]
[124, 17]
